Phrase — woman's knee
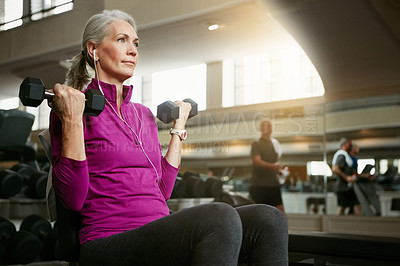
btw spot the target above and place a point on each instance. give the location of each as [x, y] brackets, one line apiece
[224, 218]
[265, 215]
[224, 214]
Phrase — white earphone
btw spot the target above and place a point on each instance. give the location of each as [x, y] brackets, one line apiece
[94, 56]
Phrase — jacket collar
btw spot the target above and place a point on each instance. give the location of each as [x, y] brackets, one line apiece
[110, 90]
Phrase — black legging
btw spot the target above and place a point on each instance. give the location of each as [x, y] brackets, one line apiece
[209, 234]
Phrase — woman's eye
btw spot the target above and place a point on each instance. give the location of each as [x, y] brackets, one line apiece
[121, 40]
[136, 44]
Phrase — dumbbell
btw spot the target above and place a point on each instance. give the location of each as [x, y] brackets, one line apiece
[32, 93]
[213, 187]
[41, 228]
[20, 247]
[168, 111]
[234, 199]
[179, 189]
[195, 185]
[10, 183]
[35, 181]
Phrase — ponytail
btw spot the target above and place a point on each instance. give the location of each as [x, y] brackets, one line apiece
[77, 74]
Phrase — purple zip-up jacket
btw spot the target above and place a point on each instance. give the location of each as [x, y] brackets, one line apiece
[125, 181]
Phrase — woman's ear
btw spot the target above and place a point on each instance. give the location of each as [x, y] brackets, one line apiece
[91, 48]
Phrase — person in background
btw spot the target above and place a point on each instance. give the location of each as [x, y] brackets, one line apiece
[342, 168]
[355, 150]
[266, 153]
[111, 170]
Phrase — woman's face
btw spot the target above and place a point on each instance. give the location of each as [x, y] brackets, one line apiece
[118, 55]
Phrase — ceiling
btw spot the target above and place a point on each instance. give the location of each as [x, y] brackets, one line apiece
[179, 42]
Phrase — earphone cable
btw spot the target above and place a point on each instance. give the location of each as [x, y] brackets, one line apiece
[123, 120]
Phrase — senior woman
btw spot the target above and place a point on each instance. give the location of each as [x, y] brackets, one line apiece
[110, 169]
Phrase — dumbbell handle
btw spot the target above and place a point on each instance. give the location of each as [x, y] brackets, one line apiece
[50, 95]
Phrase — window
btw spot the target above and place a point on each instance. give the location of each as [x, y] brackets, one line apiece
[270, 77]
[14, 13]
[41, 113]
[318, 168]
[10, 14]
[45, 8]
[228, 85]
[11, 103]
[137, 82]
[179, 84]
[384, 165]
[363, 162]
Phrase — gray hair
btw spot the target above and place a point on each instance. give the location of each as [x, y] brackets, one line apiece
[343, 141]
[96, 29]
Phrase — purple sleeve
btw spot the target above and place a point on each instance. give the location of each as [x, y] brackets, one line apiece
[168, 178]
[70, 177]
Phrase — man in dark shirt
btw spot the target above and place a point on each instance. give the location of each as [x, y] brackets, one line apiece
[264, 184]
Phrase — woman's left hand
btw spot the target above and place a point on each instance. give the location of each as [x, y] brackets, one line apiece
[184, 110]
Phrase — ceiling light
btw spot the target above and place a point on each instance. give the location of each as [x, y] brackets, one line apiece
[213, 27]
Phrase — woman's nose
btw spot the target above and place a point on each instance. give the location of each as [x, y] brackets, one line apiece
[133, 49]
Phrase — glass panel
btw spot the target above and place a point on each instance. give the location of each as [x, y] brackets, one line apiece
[318, 168]
[36, 6]
[271, 77]
[179, 84]
[44, 8]
[228, 85]
[35, 112]
[383, 166]
[363, 162]
[137, 82]
[11, 103]
[10, 14]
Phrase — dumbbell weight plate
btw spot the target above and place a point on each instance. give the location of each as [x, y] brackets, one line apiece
[195, 185]
[213, 187]
[36, 181]
[179, 188]
[37, 184]
[95, 102]
[41, 228]
[233, 199]
[17, 247]
[194, 110]
[23, 169]
[37, 225]
[31, 92]
[7, 228]
[23, 247]
[167, 112]
[10, 183]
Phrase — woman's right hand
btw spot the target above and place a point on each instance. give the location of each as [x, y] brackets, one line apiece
[68, 103]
